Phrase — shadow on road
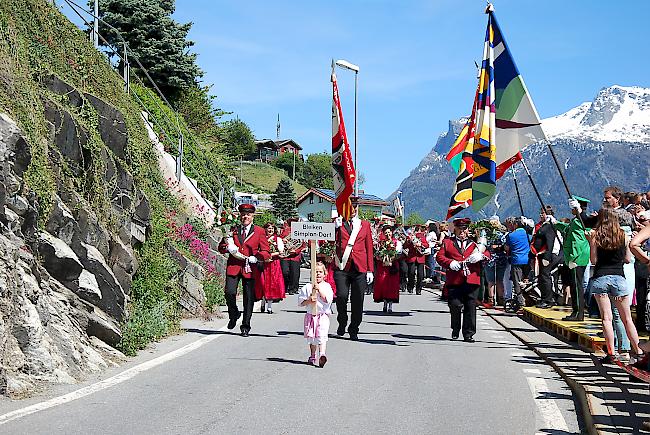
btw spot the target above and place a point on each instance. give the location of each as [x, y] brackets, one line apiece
[288, 361]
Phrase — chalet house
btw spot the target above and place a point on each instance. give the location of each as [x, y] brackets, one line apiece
[317, 204]
[269, 149]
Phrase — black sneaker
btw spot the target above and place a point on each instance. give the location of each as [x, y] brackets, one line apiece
[469, 340]
[455, 335]
[340, 331]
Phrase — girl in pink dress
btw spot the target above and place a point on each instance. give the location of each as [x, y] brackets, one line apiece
[316, 326]
[269, 284]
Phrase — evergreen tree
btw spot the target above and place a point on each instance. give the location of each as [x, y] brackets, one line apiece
[159, 42]
[284, 200]
[414, 219]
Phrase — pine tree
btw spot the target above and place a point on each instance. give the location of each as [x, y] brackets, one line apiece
[159, 42]
[284, 200]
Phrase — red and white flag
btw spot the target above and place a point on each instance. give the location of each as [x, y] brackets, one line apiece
[343, 171]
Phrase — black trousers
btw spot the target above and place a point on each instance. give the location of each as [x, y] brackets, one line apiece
[291, 275]
[545, 280]
[642, 285]
[577, 291]
[463, 298]
[350, 283]
[403, 274]
[248, 289]
[412, 269]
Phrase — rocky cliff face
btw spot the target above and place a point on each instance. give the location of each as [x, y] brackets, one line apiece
[600, 143]
[60, 299]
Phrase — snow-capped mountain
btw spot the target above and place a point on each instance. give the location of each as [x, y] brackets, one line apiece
[600, 143]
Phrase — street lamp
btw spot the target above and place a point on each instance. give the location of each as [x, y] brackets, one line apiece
[352, 67]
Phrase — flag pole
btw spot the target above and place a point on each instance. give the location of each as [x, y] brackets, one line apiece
[514, 176]
[530, 177]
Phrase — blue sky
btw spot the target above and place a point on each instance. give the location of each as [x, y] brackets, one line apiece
[416, 61]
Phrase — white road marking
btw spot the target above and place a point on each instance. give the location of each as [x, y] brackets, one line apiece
[533, 371]
[109, 382]
[548, 409]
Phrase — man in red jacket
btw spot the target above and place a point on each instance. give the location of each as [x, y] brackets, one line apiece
[416, 243]
[290, 263]
[245, 247]
[462, 258]
[354, 269]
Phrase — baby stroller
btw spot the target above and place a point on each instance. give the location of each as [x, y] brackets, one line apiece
[531, 293]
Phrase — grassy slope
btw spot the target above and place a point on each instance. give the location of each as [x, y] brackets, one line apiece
[264, 178]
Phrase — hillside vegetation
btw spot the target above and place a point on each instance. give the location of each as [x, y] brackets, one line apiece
[262, 178]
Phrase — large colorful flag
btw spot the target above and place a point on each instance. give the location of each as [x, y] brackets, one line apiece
[343, 170]
[506, 121]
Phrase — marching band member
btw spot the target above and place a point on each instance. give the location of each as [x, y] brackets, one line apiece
[269, 283]
[290, 262]
[462, 258]
[416, 243]
[387, 269]
[246, 246]
[354, 258]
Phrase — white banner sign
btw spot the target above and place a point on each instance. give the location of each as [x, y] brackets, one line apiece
[312, 231]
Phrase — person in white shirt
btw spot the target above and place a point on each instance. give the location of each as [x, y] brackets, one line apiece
[316, 326]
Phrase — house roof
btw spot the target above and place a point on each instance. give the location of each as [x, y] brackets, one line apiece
[275, 144]
[330, 196]
[291, 142]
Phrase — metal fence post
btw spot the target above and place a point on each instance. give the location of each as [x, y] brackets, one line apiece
[179, 159]
[127, 68]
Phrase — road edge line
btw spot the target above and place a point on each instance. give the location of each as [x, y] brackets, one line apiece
[112, 381]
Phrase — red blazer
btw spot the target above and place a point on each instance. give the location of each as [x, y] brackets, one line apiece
[362, 250]
[450, 251]
[413, 256]
[293, 257]
[255, 244]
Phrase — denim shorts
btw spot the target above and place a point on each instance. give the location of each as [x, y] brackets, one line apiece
[613, 285]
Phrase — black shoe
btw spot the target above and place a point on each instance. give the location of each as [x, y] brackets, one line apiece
[544, 305]
[233, 322]
[340, 331]
[354, 336]
[245, 331]
[385, 308]
[573, 318]
[607, 359]
[469, 340]
[410, 291]
[418, 293]
[454, 335]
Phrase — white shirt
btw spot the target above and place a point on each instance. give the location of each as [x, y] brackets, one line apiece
[323, 306]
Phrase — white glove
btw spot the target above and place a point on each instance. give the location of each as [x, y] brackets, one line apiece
[550, 218]
[338, 222]
[475, 257]
[572, 265]
[369, 277]
[546, 262]
[528, 222]
[233, 249]
[252, 259]
[455, 266]
[573, 203]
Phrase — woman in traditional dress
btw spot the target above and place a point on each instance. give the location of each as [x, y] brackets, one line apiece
[387, 277]
[269, 286]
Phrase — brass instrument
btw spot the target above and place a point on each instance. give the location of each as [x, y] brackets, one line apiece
[290, 245]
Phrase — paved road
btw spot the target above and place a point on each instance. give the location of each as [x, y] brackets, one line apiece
[404, 375]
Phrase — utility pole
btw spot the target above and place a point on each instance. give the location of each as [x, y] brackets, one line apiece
[96, 25]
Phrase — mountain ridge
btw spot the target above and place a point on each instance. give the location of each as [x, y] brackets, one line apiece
[597, 143]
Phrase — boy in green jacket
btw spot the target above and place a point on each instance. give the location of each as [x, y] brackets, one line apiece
[576, 254]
